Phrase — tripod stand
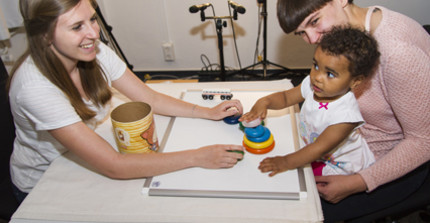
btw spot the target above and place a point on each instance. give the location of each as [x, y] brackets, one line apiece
[107, 37]
[264, 62]
[219, 24]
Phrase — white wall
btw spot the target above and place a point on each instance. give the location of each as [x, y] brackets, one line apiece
[142, 26]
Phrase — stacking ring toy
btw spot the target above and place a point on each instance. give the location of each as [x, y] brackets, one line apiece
[260, 145]
[264, 137]
[231, 120]
[237, 151]
[241, 127]
[252, 124]
[255, 132]
[259, 151]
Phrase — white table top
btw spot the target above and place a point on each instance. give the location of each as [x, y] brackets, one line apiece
[70, 191]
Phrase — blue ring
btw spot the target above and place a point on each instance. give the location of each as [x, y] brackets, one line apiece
[255, 132]
[232, 120]
[262, 138]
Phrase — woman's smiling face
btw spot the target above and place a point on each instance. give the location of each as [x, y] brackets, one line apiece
[75, 35]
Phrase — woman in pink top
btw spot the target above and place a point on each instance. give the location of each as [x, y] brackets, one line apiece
[394, 103]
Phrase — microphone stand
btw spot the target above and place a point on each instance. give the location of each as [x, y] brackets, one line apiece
[218, 25]
[107, 30]
[264, 62]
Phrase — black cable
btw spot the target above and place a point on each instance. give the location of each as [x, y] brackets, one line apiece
[234, 37]
[106, 32]
[213, 10]
[256, 53]
[204, 64]
[208, 67]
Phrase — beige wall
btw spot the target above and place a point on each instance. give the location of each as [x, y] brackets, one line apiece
[142, 26]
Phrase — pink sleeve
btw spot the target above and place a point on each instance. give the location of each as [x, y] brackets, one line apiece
[405, 83]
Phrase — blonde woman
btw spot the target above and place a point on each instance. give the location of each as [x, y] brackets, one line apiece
[60, 87]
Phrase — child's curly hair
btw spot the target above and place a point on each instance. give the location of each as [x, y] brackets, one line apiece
[357, 46]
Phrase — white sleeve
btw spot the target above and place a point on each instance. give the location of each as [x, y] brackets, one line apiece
[305, 87]
[46, 106]
[110, 62]
[346, 111]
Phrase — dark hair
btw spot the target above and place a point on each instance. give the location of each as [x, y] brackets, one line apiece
[356, 45]
[292, 12]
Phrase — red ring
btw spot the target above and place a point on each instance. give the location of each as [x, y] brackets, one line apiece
[259, 151]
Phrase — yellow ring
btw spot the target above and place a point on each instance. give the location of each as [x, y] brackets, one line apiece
[259, 151]
[258, 145]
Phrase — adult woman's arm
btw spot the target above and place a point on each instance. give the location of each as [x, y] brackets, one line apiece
[405, 84]
[134, 88]
[94, 150]
[335, 188]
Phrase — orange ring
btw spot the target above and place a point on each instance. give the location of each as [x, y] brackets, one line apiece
[259, 151]
[258, 145]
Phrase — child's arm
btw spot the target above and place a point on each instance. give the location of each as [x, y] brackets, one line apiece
[276, 101]
[329, 139]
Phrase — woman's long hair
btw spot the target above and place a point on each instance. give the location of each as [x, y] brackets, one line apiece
[40, 19]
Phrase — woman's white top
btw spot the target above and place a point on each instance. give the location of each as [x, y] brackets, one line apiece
[37, 106]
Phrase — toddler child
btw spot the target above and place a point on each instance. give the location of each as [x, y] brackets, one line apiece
[330, 117]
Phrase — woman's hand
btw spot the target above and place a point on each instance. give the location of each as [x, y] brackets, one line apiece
[225, 109]
[218, 156]
[337, 187]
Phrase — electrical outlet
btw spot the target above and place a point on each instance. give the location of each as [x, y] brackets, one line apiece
[169, 54]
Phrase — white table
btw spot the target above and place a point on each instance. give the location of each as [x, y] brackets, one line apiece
[70, 191]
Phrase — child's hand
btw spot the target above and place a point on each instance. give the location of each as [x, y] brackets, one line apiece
[259, 110]
[274, 165]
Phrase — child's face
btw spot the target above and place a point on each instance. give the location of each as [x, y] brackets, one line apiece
[330, 77]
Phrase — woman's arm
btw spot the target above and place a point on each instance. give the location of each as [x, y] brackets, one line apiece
[134, 88]
[405, 135]
[335, 188]
[94, 150]
[331, 137]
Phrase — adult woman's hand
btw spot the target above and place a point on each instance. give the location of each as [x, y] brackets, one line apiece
[225, 109]
[335, 188]
[218, 156]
